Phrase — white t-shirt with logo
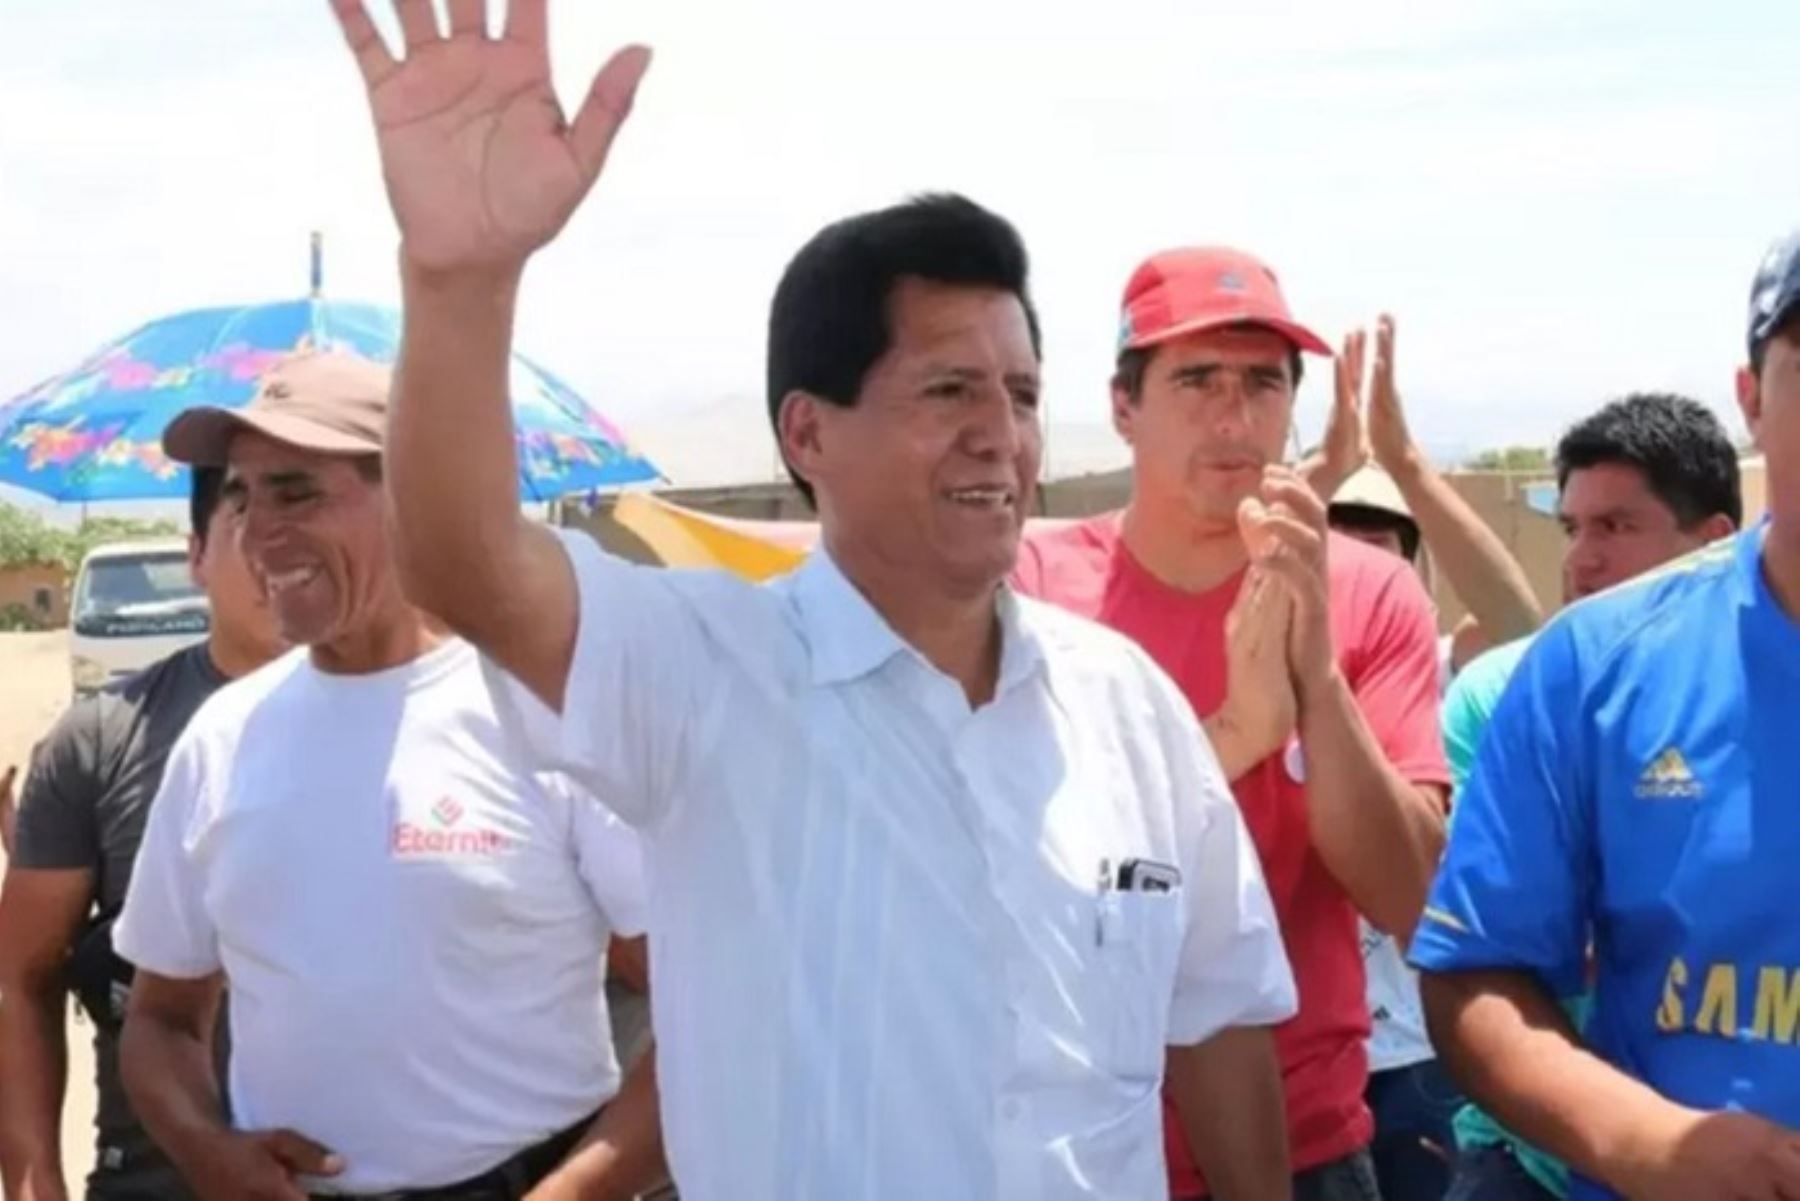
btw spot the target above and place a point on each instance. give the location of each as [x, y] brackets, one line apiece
[412, 922]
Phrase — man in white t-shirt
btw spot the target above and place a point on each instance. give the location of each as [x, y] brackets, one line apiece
[410, 923]
[945, 877]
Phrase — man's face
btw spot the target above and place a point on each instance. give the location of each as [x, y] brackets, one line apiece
[240, 610]
[1771, 404]
[931, 473]
[312, 532]
[1214, 410]
[1617, 528]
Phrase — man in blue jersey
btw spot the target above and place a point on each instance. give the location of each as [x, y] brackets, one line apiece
[1643, 481]
[1632, 794]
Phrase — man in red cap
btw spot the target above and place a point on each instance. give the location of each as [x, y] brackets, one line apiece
[1311, 657]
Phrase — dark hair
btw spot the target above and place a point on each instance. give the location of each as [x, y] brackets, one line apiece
[829, 321]
[1368, 518]
[1128, 375]
[207, 485]
[1678, 445]
[369, 468]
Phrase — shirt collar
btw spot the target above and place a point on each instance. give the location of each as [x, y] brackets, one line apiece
[1774, 629]
[1021, 649]
[848, 639]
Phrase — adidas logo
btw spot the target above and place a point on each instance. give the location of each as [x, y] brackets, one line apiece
[1669, 778]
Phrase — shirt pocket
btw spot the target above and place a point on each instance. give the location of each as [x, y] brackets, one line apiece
[1140, 939]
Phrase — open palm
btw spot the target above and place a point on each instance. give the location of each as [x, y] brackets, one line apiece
[481, 166]
[1389, 437]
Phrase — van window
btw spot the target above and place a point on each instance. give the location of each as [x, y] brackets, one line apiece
[133, 595]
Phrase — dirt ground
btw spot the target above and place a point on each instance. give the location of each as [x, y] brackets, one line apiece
[34, 681]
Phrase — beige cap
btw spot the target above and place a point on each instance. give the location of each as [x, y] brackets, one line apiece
[331, 402]
[1373, 488]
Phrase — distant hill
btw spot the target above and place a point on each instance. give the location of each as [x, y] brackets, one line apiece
[727, 441]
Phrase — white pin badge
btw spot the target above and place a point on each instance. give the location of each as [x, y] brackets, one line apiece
[1295, 761]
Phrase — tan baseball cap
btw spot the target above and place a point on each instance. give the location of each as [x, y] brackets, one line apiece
[1373, 488]
[331, 402]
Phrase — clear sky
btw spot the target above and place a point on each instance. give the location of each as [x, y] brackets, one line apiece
[1561, 200]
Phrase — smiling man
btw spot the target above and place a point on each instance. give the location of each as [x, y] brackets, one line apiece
[409, 922]
[950, 874]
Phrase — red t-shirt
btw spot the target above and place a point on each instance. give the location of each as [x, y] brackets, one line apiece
[1386, 642]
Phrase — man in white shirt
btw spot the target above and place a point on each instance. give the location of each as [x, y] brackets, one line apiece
[941, 872]
[410, 922]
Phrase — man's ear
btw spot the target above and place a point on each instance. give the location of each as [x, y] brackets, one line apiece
[1124, 413]
[1715, 527]
[196, 552]
[1749, 398]
[798, 434]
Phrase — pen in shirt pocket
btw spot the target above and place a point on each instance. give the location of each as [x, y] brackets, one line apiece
[1103, 887]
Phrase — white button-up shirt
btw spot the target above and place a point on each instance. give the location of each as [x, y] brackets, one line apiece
[886, 968]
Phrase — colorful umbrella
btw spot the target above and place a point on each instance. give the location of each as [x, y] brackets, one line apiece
[95, 433]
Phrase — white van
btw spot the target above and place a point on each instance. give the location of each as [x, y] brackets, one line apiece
[134, 603]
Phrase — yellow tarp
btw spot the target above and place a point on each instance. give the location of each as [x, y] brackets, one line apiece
[756, 550]
[682, 537]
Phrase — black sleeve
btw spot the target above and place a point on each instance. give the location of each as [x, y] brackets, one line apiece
[58, 827]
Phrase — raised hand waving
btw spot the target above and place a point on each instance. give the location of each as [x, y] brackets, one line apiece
[481, 165]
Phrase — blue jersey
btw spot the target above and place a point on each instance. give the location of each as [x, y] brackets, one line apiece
[1635, 786]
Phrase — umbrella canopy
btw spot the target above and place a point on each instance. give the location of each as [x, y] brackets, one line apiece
[95, 433]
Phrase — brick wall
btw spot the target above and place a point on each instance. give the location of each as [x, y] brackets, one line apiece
[41, 590]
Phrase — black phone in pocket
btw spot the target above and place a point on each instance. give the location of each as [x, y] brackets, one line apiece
[1147, 875]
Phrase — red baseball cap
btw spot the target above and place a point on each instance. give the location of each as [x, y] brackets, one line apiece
[1205, 287]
